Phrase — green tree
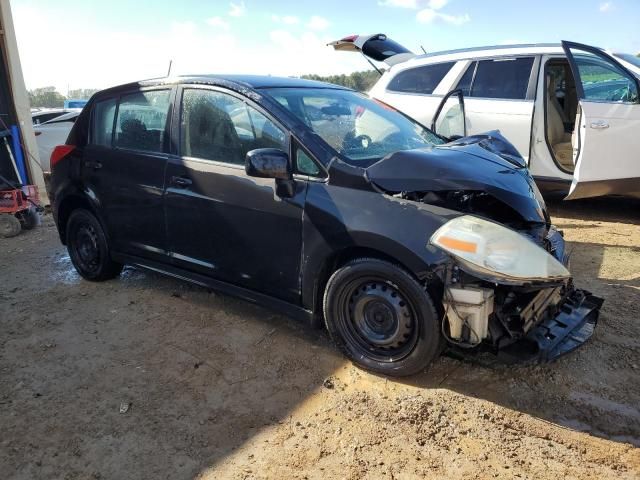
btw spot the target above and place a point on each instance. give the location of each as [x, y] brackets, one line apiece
[45, 97]
[361, 81]
[81, 93]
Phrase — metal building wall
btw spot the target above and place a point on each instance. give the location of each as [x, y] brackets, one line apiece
[14, 100]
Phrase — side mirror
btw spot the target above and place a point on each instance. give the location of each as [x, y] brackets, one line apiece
[267, 163]
[449, 120]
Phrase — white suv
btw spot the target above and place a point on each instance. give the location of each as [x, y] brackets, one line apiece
[571, 110]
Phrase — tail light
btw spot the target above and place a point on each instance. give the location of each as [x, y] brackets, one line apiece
[59, 153]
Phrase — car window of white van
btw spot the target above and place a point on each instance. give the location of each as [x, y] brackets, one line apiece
[604, 81]
[422, 80]
[218, 126]
[498, 78]
[142, 117]
[103, 114]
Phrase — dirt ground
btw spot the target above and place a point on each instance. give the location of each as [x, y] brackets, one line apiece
[146, 377]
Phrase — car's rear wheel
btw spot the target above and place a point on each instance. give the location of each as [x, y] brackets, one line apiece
[89, 248]
[381, 317]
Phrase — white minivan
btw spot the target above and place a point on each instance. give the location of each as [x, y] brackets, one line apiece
[571, 110]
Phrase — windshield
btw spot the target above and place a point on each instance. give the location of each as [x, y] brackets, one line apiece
[360, 129]
[627, 57]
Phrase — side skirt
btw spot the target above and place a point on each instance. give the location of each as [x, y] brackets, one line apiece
[267, 301]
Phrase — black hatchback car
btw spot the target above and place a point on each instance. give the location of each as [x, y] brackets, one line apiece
[323, 203]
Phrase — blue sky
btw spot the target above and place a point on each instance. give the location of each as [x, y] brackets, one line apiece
[95, 44]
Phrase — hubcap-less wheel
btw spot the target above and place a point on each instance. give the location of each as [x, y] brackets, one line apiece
[87, 249]
[379, 318]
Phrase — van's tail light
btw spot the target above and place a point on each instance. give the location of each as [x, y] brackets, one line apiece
[59, 153]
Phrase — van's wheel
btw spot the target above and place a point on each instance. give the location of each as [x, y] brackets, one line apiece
[89, 248]
[9, 226]
[381, 317]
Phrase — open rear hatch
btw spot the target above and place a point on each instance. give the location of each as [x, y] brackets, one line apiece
[376, 47]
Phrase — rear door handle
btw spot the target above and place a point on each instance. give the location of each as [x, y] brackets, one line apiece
[182, 182]
[599, 125]
[93, 164]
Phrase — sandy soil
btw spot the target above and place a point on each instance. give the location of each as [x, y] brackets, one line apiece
[213, 387]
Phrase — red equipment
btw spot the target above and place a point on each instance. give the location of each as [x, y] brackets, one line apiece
[18, 210]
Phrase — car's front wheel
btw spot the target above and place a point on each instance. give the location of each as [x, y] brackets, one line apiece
[381, 317]
[89, 248]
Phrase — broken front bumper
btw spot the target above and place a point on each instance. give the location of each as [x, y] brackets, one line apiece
[556, 335]
[569, 329]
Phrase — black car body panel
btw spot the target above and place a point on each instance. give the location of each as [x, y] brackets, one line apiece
[277, 242]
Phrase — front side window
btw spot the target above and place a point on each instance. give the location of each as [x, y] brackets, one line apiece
[422, 80]
[602, 80]
[142, 118]
[103, 115]
[218, 126]
[506, 78]
[360, 129]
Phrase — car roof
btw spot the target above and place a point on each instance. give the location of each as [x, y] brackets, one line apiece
[240, 82]
[490, 51]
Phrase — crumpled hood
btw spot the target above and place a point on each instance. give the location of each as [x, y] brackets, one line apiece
[485, 162]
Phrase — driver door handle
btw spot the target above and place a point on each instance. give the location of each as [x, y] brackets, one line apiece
[182, 182]
[599, 125]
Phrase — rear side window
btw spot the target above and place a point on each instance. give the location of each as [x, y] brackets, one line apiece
[142, 118]
[103, 115]
[420, 79]
[499, 78]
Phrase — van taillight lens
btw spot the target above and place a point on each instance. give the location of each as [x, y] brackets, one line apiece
[59, 153]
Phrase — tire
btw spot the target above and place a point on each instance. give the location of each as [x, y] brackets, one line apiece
[9, 226]
[89, 248]
[29, 219]
[381, 318]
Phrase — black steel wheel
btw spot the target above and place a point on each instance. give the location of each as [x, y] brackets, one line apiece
[89, 248]
[381, 317]
[9, 225]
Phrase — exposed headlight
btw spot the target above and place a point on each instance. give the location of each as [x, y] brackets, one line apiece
[495, 250]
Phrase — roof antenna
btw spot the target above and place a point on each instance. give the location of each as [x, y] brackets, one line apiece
[423, 50]
[169, 71]
[371, 63]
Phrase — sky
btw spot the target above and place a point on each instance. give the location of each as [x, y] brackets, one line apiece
[96, 44]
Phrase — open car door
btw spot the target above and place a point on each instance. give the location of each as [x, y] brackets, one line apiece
[376, 47]
[608, 159]
[449, 121]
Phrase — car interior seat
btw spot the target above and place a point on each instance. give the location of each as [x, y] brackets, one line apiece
[560, 140]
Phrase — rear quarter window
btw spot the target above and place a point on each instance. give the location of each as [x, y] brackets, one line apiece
[103, 116]
[422, 80]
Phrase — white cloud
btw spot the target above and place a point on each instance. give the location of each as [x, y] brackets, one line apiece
[237, 9]
[218, 22]
[429, 15]
[318, 23]
[414, 4]
[606, 6]
[287, 19]
[437, 4]
[131, 55]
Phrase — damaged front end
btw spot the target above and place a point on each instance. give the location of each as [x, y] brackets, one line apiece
[507, 288]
